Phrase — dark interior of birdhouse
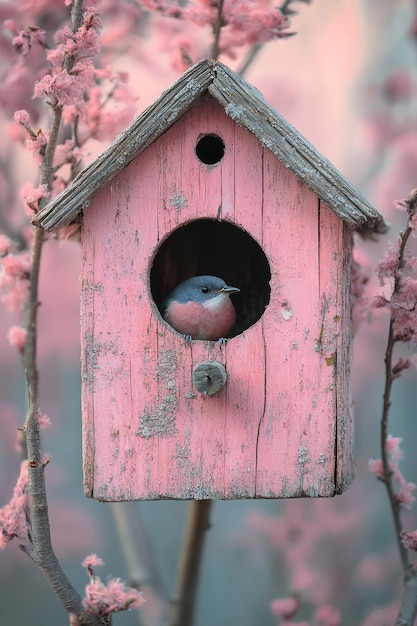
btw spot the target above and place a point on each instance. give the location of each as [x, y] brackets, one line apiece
[210, 149]
[207, 246]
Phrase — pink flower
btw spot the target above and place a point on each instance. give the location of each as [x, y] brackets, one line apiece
[17, 337]
[106, 599]
[389, 264]
[375, 466]
[16, 265]
[14, 516]
[28, 37]
[392, 445]
[285, 607]
[409, 540]
[6, 245]
[379, 302]
[405, 495]
[92, 560]
[22, 117]
[32, 197]
[43, 420]
[398, 86]
[326, 616]
[400, 365]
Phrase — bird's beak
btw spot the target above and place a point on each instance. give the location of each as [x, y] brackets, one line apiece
[229, 290]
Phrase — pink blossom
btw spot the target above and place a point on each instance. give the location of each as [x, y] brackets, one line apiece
[285, 607]
[106, 599]
[36, 145]
[372, 571]
[15, 296]
[28, 37]
[375, 466]
[14, 516]
[17, 265]
[22, 117]
[392, 445]
[379, 302]
[6, 245]
[92, 560]
[388, 267]
[43, 420]
[68, 153]
[32, 197]
[409, 540]
[405, 495]
[11, 26]
[398, 86]
[400, 365]
[17, 337]
[326, 616]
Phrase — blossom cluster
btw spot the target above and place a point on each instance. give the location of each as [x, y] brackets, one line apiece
[400, 265]
[14, 285]
[242, 23]
[95, 101]
[14, 516]
[405, 495]
[286, 609]
[104, 600]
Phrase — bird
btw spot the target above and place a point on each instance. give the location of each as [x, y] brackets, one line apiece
[200, 308]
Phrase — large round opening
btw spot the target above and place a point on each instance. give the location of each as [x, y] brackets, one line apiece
[220, 249]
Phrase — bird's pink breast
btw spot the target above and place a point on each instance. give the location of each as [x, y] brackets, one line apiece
[191, 318]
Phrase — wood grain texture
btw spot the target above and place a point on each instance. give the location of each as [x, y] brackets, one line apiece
[245, 105]
[282, 424]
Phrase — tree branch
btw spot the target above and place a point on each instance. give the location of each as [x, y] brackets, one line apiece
[408, 609]
[142, 569]
[215, 51]
[189, 567]
[40, 550]
[389, 379]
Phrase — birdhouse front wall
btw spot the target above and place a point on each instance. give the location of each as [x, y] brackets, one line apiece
[282, 425]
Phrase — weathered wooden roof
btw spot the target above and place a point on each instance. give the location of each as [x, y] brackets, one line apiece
[245, 105]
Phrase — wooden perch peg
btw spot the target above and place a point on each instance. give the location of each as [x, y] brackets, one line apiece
[209, 377]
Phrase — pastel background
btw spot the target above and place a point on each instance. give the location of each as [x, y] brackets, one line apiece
[347, 81]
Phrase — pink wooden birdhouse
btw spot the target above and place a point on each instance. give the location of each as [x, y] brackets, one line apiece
[211, 180]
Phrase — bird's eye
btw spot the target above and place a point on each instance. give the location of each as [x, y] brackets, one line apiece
[205, 289]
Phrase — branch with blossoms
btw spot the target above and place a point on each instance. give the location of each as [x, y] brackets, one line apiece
[398, 265]
[231, 25]
[70, 90]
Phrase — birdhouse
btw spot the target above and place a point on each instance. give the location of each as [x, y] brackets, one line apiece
[210, 180]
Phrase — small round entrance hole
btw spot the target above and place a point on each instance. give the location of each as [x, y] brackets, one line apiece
[210, 149]
[221, 249]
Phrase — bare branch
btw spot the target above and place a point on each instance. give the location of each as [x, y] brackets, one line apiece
[142, 569]
[408, 611]
[215, 51]
[189, 567]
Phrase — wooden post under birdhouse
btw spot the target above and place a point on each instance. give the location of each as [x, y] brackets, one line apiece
[269, 412]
